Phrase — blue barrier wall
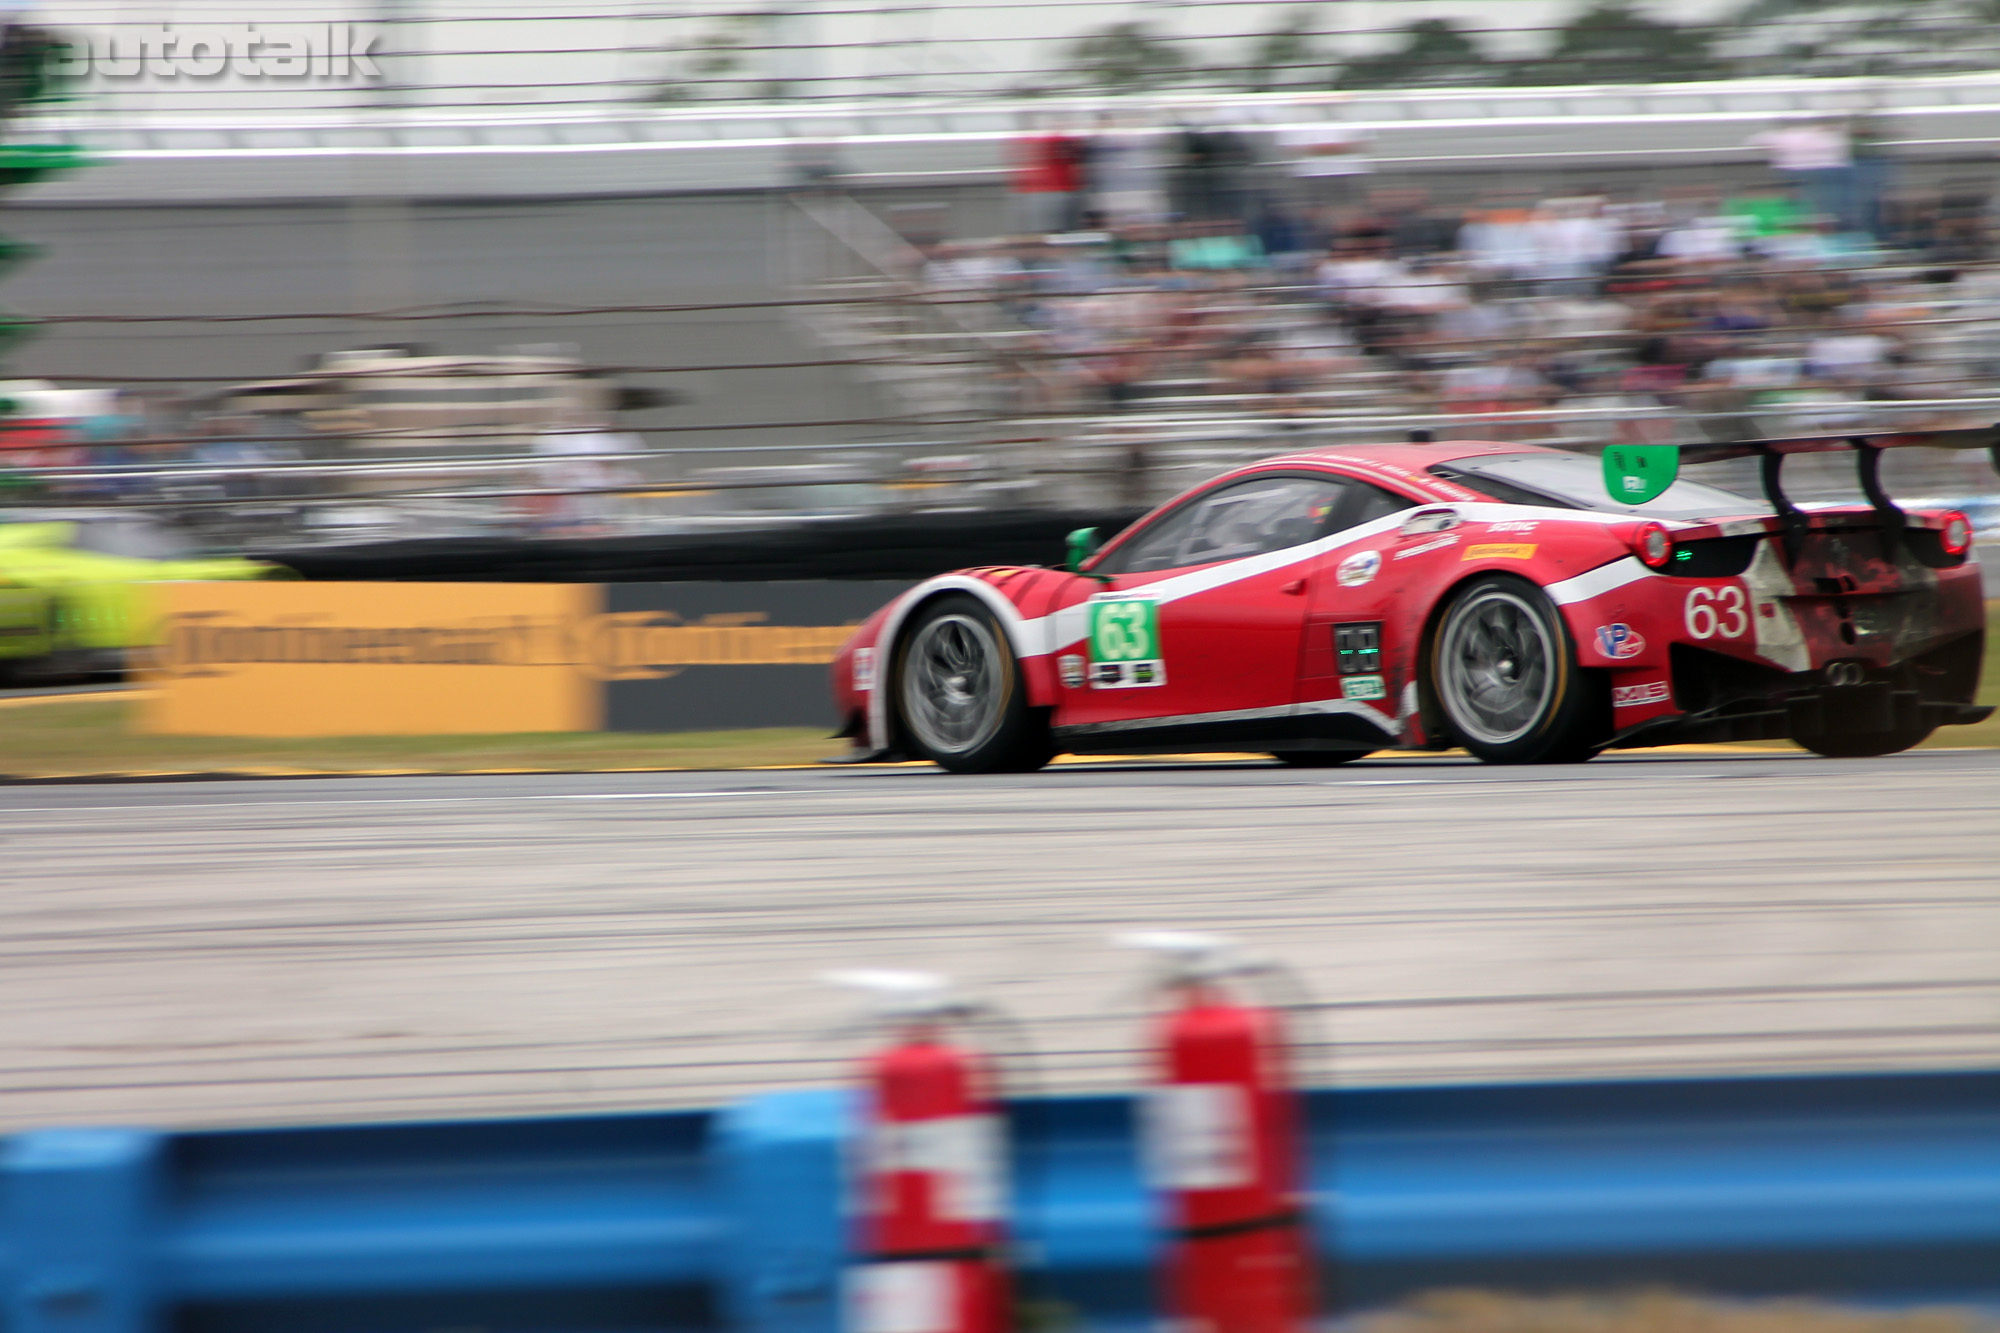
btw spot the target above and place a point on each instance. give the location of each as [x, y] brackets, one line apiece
[1882, 1188]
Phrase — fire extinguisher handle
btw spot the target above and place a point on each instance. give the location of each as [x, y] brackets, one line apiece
[901, 994]
[1191, 956]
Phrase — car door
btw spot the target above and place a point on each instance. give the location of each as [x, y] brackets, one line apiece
[1356, 649]
[1203, 609]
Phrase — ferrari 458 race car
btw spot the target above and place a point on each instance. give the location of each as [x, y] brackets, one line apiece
[1323, 605]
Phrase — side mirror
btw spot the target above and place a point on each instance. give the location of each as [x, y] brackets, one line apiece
[1080, 545]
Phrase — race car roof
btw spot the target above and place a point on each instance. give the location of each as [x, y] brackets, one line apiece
[1413, 455]
[1407, 461]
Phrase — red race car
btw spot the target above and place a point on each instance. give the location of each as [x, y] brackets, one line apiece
[1326, 604]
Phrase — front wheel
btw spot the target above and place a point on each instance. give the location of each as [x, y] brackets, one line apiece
[1861, 744]
[1503, 670]
[958, 691]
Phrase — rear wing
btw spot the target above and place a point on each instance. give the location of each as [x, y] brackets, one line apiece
[1637, 473]
[1960, 437]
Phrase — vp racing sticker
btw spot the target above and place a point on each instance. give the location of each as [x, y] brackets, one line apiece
[1124, 643]
[1620, 640]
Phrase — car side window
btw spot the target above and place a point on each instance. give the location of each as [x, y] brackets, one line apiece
[1155, 548]
[1366, 503]
[1246, 518]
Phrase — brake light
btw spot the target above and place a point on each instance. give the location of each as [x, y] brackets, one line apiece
[1653, 545]
[1956, 536]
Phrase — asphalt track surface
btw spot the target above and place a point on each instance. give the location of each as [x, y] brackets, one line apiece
[236, 952]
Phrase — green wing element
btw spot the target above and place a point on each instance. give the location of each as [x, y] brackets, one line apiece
[1636, 473]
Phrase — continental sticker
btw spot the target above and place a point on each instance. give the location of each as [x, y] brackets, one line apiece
[1363, 687]
[1500, 551]
[629, 645]
[235, 659]
[1124, 643]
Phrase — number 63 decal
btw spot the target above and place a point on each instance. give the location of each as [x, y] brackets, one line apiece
[1717, 611]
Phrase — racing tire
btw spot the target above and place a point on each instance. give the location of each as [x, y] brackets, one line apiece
[1318, 758]
[1503, 671]
[1862, 744]
[959, 694]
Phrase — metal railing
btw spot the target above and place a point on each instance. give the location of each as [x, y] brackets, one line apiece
[1055, 461]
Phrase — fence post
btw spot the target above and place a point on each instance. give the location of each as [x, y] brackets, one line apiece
[80, 1208]
[780, 1185]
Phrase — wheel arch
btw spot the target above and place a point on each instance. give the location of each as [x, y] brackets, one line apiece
[1024, 639]
[1430, 714]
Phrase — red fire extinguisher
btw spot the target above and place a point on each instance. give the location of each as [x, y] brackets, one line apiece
[1222, 1148]
[931, 1177]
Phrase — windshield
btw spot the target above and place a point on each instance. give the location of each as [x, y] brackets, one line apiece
[141, 538]
[1575, 481]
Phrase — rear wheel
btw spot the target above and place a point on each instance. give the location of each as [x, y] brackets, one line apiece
[1503, 670]
[1319, 758]
[1861, 744]
[958, 692]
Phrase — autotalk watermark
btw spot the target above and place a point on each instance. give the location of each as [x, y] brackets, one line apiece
[294, 51]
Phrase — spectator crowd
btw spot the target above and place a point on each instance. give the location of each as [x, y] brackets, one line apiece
[1266, 275]
[1270, 272]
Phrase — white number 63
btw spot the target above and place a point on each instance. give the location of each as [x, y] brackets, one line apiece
[1713, 611]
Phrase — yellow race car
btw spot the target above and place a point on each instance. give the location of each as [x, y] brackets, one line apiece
[73, 599]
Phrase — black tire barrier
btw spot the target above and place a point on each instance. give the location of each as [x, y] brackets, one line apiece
[900, 546]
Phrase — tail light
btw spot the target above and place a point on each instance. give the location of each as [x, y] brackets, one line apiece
[1653, 545]
[1956, 535]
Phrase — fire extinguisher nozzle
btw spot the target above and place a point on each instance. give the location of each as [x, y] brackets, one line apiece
[900, 994]
[1190, 956]
[1172, 941]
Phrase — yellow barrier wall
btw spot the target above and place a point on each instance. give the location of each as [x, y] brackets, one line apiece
[344, 659]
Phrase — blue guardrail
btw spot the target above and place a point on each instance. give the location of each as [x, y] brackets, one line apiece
[1874, 1188]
